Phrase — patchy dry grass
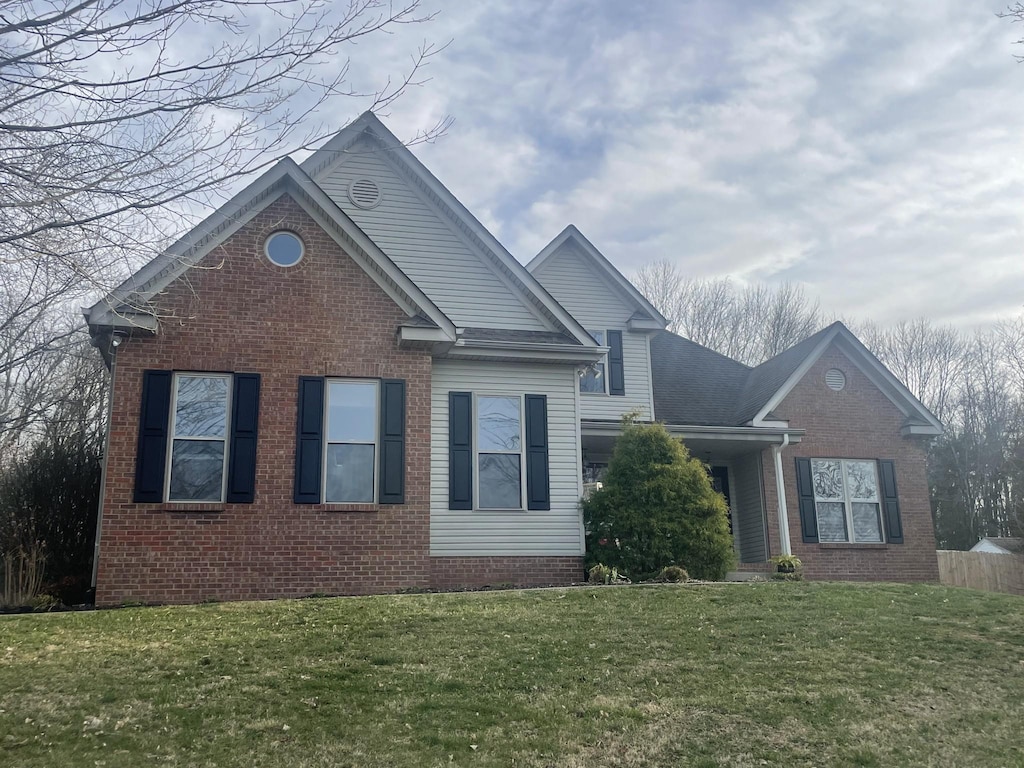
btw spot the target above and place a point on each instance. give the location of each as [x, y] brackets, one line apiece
[717, 675]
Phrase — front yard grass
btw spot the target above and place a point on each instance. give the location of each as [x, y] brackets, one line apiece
[707, 675]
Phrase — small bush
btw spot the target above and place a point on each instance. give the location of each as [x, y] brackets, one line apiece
[657, 508]
[606, 574]
[673, 574]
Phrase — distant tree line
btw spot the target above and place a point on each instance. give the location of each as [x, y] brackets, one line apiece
[973, 382]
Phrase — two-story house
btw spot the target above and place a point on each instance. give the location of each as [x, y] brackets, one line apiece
[340, 382]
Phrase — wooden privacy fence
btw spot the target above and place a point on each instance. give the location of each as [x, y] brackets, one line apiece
[982, 570]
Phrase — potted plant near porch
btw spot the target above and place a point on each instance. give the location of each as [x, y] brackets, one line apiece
[786, 563]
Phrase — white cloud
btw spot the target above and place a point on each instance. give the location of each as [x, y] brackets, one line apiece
[872, 151]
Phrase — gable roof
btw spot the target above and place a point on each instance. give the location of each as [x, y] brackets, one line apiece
[483, 242]
[771, 381]
[770, 376]
[130, 305]
[695, 385]
[1012, 545]
[644, 310]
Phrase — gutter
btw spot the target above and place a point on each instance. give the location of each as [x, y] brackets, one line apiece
[780, 489]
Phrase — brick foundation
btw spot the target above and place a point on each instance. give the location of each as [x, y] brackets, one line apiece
[456, 572]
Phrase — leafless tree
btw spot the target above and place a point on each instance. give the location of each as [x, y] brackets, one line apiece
[931, 360]
[748, 324]
[1015, 13]
[120, 120]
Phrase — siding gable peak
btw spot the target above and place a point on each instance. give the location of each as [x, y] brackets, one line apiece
[645, 315]
[449, 238]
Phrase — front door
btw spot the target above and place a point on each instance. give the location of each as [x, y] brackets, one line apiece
[720, 482]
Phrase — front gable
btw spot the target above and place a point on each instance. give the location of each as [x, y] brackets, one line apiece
[418, 239]
[428, 232]
[133, 305]
[771, 383]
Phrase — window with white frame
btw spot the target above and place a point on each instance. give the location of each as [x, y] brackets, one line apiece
[499, 452]
[199, 433]
[351, 457]
[592, 378]
[846, 500]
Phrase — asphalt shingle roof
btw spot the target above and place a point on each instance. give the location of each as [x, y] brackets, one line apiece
[694, 385]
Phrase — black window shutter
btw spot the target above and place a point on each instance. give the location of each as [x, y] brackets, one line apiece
[890, 502]
[460, 450]
[805, 492]
[309, 440]
[392, 442]
[616, 370]
[245, 404]
[538, 487]
[151, 454]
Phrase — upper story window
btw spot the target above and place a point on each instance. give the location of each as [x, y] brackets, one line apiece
[593, 379]
[199, 432]
[499, 446]
[351, 455]
[846, 500]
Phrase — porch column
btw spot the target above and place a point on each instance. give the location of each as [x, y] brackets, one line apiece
[780, 489]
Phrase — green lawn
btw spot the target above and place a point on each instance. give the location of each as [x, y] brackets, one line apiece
[714, 675]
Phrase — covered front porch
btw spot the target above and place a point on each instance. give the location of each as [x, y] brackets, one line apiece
[736, 458]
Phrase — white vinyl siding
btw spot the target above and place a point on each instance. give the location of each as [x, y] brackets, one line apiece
[558, 531]
[748, 511]
[425, 246]
[575, 284]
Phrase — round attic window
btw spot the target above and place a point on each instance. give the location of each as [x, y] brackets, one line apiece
[835, 379]
[364, 192]
[284, 249]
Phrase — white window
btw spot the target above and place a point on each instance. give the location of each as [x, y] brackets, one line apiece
[846, 500]
[592, 378]
[350, 474]
[499, 452]
[199, 432]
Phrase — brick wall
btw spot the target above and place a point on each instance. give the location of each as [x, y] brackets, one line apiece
[240, 313]
[858, 422]
[449, 572]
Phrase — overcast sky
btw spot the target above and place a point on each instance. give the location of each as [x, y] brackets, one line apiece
[872, 151]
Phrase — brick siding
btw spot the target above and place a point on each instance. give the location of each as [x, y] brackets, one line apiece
[858, 422]
[240, 313]
[452, 572]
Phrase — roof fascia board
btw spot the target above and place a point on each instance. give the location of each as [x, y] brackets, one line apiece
[553, 353]
[761, 434]
[450, 207]
[613, 275]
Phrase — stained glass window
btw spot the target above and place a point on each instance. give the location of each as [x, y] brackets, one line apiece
[846, 500]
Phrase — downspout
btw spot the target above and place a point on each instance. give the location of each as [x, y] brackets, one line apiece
[112, 346]
[780, 489]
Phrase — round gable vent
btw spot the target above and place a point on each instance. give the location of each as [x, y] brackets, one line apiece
[835, 379]
[364, 192]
